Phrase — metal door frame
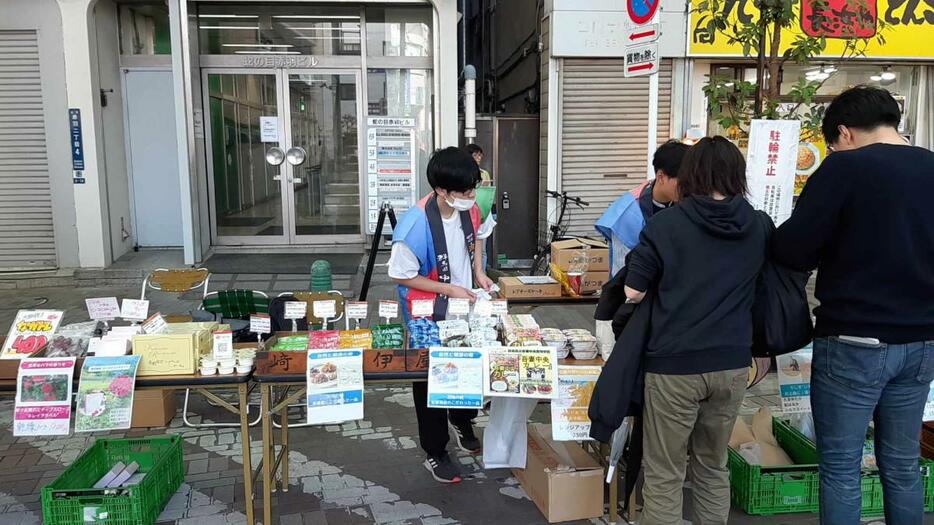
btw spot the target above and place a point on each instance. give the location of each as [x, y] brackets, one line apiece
[286, 122]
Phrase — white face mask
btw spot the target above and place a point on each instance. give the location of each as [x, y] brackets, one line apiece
[461, 204]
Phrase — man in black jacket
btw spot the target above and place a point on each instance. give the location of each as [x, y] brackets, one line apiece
[866, 222]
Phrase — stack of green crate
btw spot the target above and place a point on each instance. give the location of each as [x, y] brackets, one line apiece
[766, 491]
[71, 500]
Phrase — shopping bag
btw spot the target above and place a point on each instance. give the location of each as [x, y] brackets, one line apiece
[505, 439]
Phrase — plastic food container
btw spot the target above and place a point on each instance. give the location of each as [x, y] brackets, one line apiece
[208, 371]
[244, 369]
[583, 344]
[556, 339]
[225, 371]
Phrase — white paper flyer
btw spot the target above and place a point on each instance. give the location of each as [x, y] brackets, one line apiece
[794, 380]
[521, 371]
[43, 397]
[569, 419]
[105, 393]
[455, 378]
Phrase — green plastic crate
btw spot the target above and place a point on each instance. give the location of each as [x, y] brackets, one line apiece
[70, 500]
[796, 488]
[777, 490]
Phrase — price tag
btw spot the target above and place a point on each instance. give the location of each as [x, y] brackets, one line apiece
[499, 307]
[260, 324]
[483, 308]
[356, 310]
[134, 309]
[103, 308]
[223, 345]
[324, 309]
[458, 307]
[155, 324]
[388, 309]
[423, 307]
[295, 309]
[452, 328]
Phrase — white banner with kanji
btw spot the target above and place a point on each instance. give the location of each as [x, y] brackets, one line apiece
[771, 164]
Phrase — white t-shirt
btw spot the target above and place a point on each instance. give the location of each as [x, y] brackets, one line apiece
[403, 264]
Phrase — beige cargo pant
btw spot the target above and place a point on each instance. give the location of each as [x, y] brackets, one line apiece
[689, 412]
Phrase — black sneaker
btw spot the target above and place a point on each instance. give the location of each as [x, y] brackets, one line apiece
[466, 439]
[443, 469]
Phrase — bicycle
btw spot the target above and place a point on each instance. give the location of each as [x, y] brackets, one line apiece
[540, 262]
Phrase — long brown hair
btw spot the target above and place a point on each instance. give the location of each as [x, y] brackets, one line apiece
[712, 165]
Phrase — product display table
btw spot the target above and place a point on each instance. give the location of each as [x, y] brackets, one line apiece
[584, 299]
[281, 380]
[206, 386]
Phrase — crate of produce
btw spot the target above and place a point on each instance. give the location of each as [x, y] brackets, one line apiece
[776, 490]
[72, 500]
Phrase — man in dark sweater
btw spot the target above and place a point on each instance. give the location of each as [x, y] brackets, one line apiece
[866, 222]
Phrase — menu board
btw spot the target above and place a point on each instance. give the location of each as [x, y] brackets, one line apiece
[794, 380]
[43, 397]
[455, 378]
[391, 166]
[569, 419]
[334, 385]
[521, 371]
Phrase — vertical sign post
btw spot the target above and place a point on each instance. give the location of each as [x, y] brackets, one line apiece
[641, 57]
[76, 142]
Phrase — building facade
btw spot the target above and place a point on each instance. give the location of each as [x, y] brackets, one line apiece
[215, 126]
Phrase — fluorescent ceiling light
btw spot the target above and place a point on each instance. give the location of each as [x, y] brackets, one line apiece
[322, 17]
[252, 28]
[325, 38]
[875, 78]
[267, 53]
[887, 75]
[257, 45]
[228, 16]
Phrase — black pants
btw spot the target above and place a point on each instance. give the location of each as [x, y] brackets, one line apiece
[433, 422]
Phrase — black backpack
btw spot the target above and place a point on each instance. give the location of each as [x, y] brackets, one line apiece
[781, 315]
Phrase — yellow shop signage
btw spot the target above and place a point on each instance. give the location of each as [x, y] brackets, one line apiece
[907, 23]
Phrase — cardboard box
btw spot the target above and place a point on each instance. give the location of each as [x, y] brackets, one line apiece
[561, 478]
[153, 408]
[529, 287]
[166, 354]
[592, 282]
[597, 251]
[204, 334]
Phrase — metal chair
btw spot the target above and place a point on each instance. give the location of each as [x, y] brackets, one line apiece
[176, 280]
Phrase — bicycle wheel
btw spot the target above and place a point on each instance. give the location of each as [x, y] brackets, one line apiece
[540, 264]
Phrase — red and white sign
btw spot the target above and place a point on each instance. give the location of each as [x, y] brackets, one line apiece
[642, 11]
[642, 35]
[641, 60]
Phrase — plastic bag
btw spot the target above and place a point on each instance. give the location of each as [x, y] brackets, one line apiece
[505, 439]
[804, 423]
[606, 340]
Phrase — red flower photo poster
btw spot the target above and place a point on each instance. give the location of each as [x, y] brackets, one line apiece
[105, 393]
[43, 397]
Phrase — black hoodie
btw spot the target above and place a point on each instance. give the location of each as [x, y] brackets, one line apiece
[702, 257]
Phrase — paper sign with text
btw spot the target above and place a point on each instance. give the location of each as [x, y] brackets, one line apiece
[499, 307]
[794, 380]
[295, 309]
[102, 308]
[31, 330]
[771, 165]
[260, 324]
[423, 307]
[324, 309]
[223, 345]
[458, 307]
[334, 382]
[388, 309]
[105, 393]
[357, 309]
[455, 378]
[43, 397]
[528, 371]
[155, 324]
[569, 419]
[134, 309]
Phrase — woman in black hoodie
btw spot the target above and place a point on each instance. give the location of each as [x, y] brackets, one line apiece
[701, 258]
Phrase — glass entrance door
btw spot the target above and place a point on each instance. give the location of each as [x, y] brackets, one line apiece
[283, 151]
[323, 135]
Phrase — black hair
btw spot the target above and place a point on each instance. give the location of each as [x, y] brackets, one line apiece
[452, 169]
[668, 157]
[473, 149]
[714, 164]
[861, 107]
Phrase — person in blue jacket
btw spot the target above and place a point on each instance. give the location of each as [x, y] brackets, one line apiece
[623, 221]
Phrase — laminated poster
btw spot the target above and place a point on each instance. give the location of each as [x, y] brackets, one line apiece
[105, 393]
[455, 378]
[31, 330]
[794, 381]
[334, 385]
[521, 371]
[569, 419]
[43, 397]
[771, 166]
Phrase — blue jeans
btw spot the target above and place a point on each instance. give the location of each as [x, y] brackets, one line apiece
[852, 383]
